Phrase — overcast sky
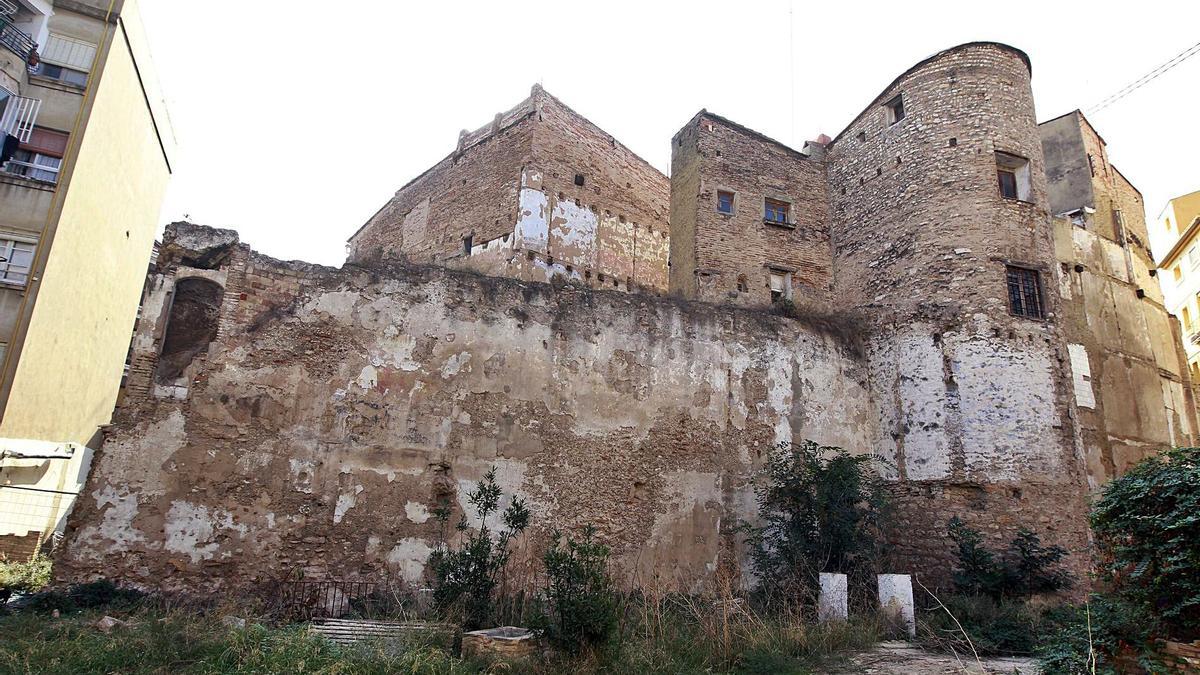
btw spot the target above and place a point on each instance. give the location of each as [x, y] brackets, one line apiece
[297, 120]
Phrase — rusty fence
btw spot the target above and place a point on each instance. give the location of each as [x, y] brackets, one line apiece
[307, 599]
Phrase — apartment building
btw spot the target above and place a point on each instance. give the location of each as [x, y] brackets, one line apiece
[85, 164]
[1175, 238]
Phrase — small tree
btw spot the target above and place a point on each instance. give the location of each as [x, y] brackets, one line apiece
[582, 600]
[1026, 568]
[465, 578]
[821, 510]
[1147, 528]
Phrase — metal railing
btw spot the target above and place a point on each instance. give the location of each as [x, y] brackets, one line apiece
[16, 41]
[19, 117]
[307, 599]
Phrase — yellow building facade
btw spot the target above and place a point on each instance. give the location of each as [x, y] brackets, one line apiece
[1175, 238]
[87, 152]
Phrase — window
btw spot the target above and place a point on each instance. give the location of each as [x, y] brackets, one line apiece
[16, 257]
[1013, 175]
[1092, 165]
[1178, 272]
[68, 75]
[67, 52]
[781, 285]
[724, 201]
[579, 179]
[467, 240]
[1024, 292]
[40, 157]
[895, 109]
[775, 212]
[1187, 319]
[1193, 257]
[742, 285]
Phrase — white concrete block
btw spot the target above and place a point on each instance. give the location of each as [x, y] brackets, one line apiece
[832, 604]
[896, 600]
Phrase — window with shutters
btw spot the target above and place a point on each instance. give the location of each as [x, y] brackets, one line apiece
[724, 201]
[1025, 292]
[16, 258]
[40, 158]
[68, 52]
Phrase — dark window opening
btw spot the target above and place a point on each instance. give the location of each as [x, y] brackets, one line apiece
[724, 201]
[895, 109]
[775, 211]
[862, 137]
[1008, 183]
[953, 142]
[1025, 292]
[1092, 166]
[742, 285]
[579, 179]
[467, 244]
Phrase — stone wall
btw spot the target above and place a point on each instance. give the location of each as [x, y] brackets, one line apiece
[728, 257]
[540, 192]
[320, 431]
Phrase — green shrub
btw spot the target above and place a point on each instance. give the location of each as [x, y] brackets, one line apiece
[1088, 639]
[23, 577]
[464, 578]
[994, 627]
[1026, 568]
[581, 594]
[1147, 531]
[821, 510]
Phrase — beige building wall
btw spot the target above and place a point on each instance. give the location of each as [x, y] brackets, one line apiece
[67, 330]
[1175, 238]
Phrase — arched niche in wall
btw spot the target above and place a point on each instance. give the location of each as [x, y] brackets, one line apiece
[191, 326]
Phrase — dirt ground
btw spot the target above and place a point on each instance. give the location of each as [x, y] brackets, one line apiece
[902, 658]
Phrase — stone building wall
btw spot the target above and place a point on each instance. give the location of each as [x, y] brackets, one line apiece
[732, 255]
[1131, 383]
[508, 202]
[979, 417]
[319, 431]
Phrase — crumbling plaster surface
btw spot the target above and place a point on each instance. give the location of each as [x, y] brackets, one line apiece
[642, 416]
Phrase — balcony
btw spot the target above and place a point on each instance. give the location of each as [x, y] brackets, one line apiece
[1194, 338]
[16, 41]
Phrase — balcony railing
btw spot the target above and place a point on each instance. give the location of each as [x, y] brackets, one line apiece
[16, 41]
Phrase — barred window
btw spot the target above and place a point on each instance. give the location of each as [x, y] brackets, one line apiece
[1025, 292]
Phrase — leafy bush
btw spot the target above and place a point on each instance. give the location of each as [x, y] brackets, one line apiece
[994, 627]
[1147, 530]
[1089, 639]
[581, 594]
[821, 508]
[1026, 568]
[464, 579]
[23, 577]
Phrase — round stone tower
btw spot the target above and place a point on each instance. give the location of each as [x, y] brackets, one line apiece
[943, 244]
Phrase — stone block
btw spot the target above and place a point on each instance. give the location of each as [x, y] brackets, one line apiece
[896, 600]
[832, 604]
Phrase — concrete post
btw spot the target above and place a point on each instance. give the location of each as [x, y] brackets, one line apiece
[832, 604]
[896, 600]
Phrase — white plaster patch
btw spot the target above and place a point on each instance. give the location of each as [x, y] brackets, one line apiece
[335, 304]
[368, 378]
[115, 533]
[302, 474]
[345, 502]
[416, 512]
[136, 460]
[1081, 372]
[189, 530]
[531, 230]
[454, 364]
[409, 557]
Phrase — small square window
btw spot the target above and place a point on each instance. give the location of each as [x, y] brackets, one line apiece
[1012, 173]
[579, 179]
[895, 109]
[776, 212]
[1024, 292]
[1177, 272]
[724, 201]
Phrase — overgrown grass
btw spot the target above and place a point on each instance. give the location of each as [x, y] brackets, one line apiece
[663, 634]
